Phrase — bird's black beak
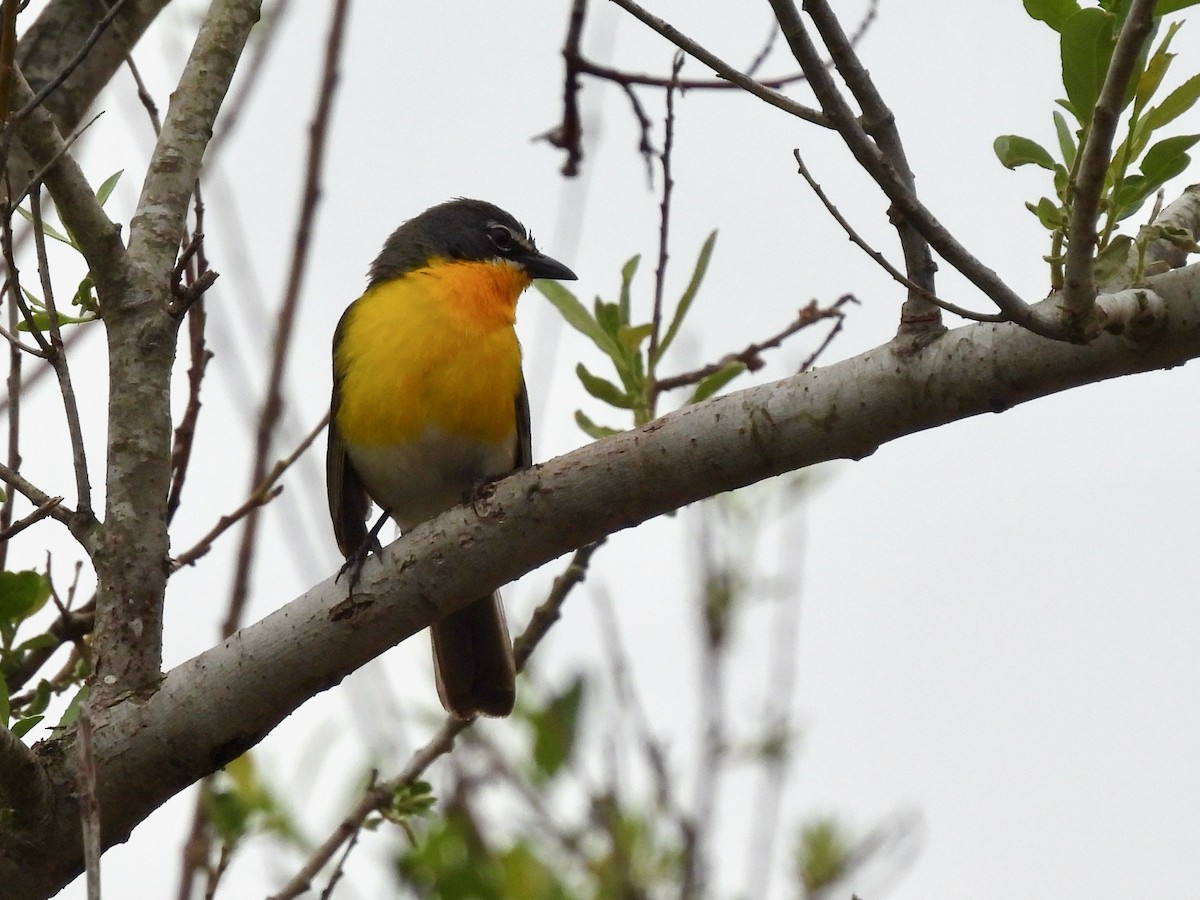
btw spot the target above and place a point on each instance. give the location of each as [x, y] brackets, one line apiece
[540, 266]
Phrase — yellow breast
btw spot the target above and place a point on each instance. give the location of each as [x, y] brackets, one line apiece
[432, 348]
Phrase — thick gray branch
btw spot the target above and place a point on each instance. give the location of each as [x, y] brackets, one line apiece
[187, 129]
[56, 36]
[214, 707]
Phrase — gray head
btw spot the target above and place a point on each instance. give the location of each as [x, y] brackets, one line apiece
[466, 231]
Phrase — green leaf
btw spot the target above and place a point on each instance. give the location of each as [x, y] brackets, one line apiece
[22, 594]
[72, 711]
[609, 317]
[106, 188]
[576, 315]
[1049, 213]
[1162, 162]
[1174, 105]
[1156, 68]
[627, 272]
[603, 389]
[1066, 138]
[1163, 7]
[631, 336]
[1013, 150]
[41, 321]
[1088, 39]
[555, 728]
[1053, 12]
[710, 384]
[47, 229]
[591, 429]
[22, 727]
[1112, 263]
[85, 297]
[685, 302]
[40, 700]
[5, 709]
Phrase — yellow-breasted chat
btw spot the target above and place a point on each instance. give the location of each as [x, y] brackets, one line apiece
[429, 401]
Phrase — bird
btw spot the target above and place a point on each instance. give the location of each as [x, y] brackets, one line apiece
[429, 402]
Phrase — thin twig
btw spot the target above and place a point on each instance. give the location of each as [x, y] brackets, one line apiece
[664, 226]
[13, 386]
[37, 515]
[58, 358]
[549, 610]
[917, 316]
[185, 431]
[379, 795]
[262, 494]
[645, 145]
[569, 134]
[8, 47]
[723, 69]
[751, 356]
[33, 493]
[272, 408]
[54, 83]
[869, 156]
[1079, 283]
[882, 260]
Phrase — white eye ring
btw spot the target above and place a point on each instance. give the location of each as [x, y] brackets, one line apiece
[501, 237]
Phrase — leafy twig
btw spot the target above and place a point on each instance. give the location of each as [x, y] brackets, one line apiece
[1079, 284]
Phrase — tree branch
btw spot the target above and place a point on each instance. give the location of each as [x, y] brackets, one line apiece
[1079, 284]
[1040, 319]
[215, 706]
[726, 71]
[919, 315]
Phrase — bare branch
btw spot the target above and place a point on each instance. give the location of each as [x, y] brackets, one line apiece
[751, 356]
[187, 129]
[37, 515]
[58, 359]
[882, 260]
[35, 495]
[1036, 319]
[1079, 284]
[664, 219]
[723, 69]
[262, 494]
[919, 314]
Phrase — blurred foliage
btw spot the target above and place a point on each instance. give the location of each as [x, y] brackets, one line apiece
[1087, 39]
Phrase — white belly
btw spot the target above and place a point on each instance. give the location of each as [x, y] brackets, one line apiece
[426, 477]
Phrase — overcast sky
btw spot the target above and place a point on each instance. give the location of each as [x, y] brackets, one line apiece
[998, 618]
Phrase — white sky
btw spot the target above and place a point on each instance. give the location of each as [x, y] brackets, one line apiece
[998, 617]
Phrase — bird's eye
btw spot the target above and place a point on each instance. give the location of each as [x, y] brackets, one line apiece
[501, 238]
